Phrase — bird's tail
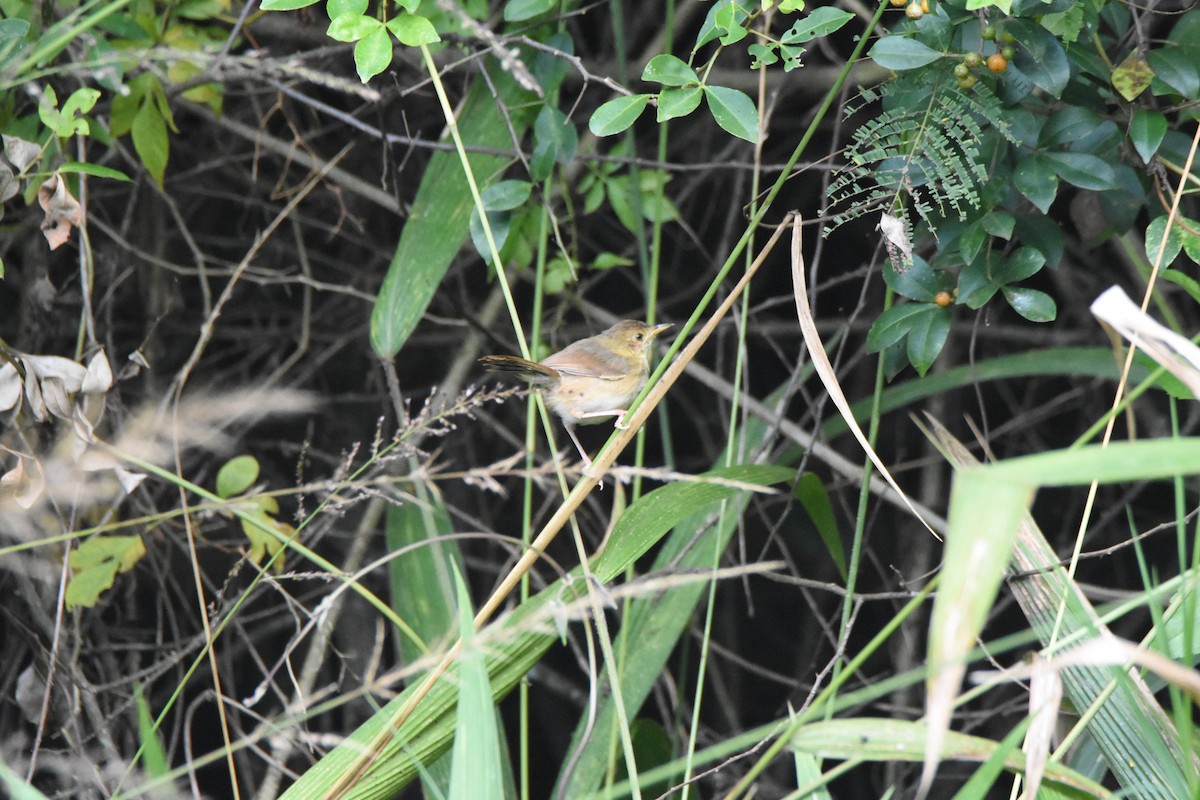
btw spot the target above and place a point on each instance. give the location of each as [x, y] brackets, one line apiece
[537, 374]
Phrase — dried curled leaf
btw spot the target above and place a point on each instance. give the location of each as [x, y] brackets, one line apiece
[63, 211]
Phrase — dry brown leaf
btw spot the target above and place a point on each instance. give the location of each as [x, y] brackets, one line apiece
[63, 211]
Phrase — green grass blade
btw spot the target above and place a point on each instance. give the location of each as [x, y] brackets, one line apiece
[476, 773]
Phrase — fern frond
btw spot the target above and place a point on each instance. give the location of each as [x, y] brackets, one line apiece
[921, 156]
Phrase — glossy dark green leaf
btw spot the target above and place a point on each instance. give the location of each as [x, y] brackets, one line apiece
[1021, 264]
[1042, 233]
[669, 71]
[927, 336]
[1040, 56]
[971, 241]
[975, 286]
[1082, 169]
[549, 69]
[893, 325]
[1031, 304]
[617, 114]
[900, 53]
[918, 282]
[1067, 126]
[999, 223]
[1154, 238]
[1177, 68]
[734, 111]
[1036, 179]
[1146, 130]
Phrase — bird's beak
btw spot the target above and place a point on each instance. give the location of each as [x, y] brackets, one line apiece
[657, 329]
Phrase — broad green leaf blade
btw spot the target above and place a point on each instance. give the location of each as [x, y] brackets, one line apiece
[413, 30]
[645, 522]
[900, 53]
[927, 336]
[617, 114]
[734, 111]
[1040, 55]
[669, 71]
[149, 133]
[441, 211]
[1032, 304]
[1083, 170]
[373, 53]
[673, 103]
[521, 10]
[421, 575]
[1036, 179]
[475, 773]
[823, 21]
[1146, 130]
[893, 325]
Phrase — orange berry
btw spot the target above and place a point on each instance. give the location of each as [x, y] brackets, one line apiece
[943, 299]
[997, 62]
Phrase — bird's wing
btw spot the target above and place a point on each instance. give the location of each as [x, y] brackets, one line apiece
[587, 362]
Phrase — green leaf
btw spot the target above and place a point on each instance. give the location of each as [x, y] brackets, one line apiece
[610, 260]
[153, 754]
[1040, 56]
[1036, 179]
[723, 15]
[655, 513]
[286, 5]
[999, 223]
[669, 71]
[730, 21]
[764, 55]
[1083, 170]
[475, 773]
[918, 282]
[1178, 69]
[927, 335]
[335, 8]
[373, 54]
[555, 140]
[813, 497]
[893, 325]
[352, 27]
[413, 30]
[506, 195]
[96, 170]
[1021, 264]
[1154, 234]
[95, 564]
[823, 21]
[900, 53]
[1132, 77]
[521, 10]
[1031, 304]
[975, 284]
[734, 111]
[440, 213]
[236, 476]
[617, 114]
[673, 103]
[149, 133]
[1146, 130]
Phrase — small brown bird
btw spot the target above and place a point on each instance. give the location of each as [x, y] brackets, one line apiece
[590, 379]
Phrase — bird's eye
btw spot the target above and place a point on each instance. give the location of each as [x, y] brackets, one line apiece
[637, 337]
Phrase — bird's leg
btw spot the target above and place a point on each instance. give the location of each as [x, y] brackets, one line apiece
[587, 462]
